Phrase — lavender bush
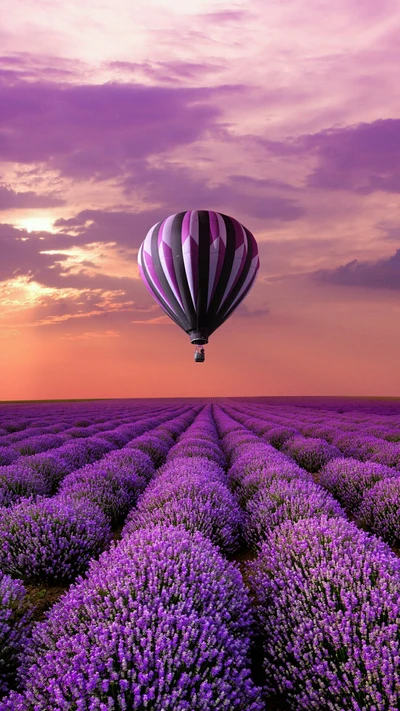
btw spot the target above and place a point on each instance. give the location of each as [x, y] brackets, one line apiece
[348, 479]
[161, 622]
[49, 465]
[380, 510]
[191, 448]
[247, 486]
[387, 453]
[109, 484]
[279, 501]
[51, 539]
[136, 460]
[328, 607]
[188, 467]
[40, 443]
[14, 626]
[311, 453]
[18, 481]
[258, 461]
[156, 447]
[277, 436]
[193, 502]
[77, 453]
[8, 455]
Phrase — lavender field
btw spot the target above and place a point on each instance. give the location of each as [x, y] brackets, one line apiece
[190, 555]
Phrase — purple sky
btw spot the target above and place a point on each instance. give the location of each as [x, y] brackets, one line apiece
[115, 114]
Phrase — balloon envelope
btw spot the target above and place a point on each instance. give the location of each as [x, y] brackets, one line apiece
[199, 265]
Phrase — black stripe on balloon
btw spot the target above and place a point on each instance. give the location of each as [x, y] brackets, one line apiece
[203, 269]
[179, 268]
[246, 267]
[156, 293]
[180, 317]
[232, 309]
[222, 283]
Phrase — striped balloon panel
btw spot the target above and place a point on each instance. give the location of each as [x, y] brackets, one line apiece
[199, 265]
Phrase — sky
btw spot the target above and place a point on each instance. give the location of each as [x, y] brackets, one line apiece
[116, 114]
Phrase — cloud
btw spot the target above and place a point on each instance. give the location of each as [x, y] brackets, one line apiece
[179, 188]
[391, 230]
[127, 229]
[224, 17]
[88, 335]
[363, 158]
[167, 71]
[21, 252]
[18, 66]
[100, 130]
[11, 199]
[259, 312]
[383, 274]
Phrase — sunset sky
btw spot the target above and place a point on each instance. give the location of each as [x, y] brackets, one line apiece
[116, 113]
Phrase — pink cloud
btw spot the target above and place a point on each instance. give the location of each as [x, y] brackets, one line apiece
[97, 131]
[363, 158]
[381, 274]
[11, 199]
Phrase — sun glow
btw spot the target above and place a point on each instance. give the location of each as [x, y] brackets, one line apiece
[36, 223]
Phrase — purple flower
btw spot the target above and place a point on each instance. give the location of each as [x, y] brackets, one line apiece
[18, 481]
[348, 479]
[328, 607]
[113, 484]
[277, 436]
[310, 453]
[77, 453]
[14, 627]
[40, 443]
[192, 500]
[387, 453]
[280, 500]
[193, 447]
[8, 455]
[246, 486]
[50, 465]
[156, 447]
[51, 539]
[380, 509]
[161, 621]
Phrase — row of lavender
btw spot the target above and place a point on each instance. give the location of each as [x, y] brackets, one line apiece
[41, 473]
[353, 434]
[49, 429]
[51, 539]
[162, 620]
[326, 593]
[367, 489]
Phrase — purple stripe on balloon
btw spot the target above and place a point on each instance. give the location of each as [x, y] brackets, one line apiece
[240, 235]
[149, 289]
[153, 276]
[160, 233]
[167, 230]
[238, 262]
[191, 261]
[194, 225]
[194, 253]
[249, 279]
[186, 226]
[148, 238]
[221, 253]
[214, 227]
[167, 263]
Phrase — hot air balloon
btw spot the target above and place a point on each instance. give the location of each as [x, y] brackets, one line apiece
[198, 265]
